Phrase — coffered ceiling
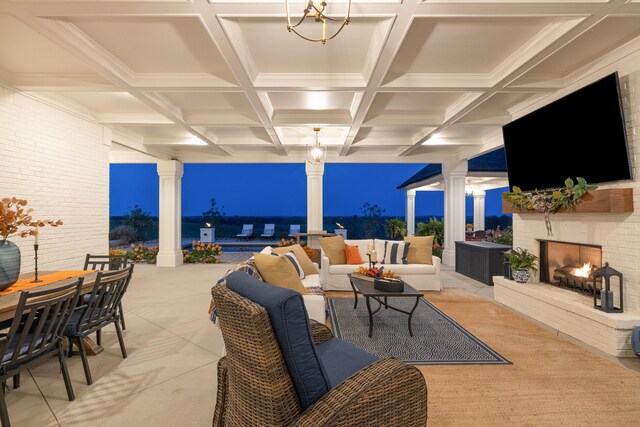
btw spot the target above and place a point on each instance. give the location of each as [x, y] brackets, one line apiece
[223, 81]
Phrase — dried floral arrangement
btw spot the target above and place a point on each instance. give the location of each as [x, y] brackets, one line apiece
[550, 202]
[376, 272]
[14, 215]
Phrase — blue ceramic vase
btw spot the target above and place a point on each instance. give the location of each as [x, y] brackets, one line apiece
[9, 264]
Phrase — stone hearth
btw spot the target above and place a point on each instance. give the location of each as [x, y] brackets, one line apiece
[570, 313]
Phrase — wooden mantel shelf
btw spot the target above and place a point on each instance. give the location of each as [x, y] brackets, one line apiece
[610, 200]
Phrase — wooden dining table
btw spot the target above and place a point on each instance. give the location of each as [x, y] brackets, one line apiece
[9, 303]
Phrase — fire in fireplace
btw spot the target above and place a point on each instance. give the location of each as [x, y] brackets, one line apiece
[575, 276]
[570, 265]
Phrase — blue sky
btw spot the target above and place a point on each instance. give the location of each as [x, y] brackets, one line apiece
[280, 189]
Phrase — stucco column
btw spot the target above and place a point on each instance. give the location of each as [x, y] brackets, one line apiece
[315, 219]
[170, 228]
[454, 174]
[478, 209]
[410, 214]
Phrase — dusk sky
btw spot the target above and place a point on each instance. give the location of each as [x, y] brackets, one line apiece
[280, 189]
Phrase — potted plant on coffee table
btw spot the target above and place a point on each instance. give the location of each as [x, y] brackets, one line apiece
[522, 264]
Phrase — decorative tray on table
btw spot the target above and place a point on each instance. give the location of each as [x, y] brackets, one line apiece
[388, 285]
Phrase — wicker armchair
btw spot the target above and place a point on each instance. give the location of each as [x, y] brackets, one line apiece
[255, 388]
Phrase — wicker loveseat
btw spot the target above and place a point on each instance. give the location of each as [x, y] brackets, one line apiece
[255, 387]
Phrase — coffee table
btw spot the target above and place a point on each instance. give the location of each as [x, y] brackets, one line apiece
[366, 289]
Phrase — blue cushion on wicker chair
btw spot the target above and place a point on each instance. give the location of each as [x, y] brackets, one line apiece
[290, 324]
[342, 359]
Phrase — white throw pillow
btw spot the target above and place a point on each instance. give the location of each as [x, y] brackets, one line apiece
[291, 256]
[395, 252]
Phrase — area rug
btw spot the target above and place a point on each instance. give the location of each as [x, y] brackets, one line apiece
[437, 339]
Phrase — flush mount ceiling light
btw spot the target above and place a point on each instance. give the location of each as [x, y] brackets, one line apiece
[316, 152]
[318, 15]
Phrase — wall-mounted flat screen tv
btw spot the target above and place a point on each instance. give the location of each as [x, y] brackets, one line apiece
[582, 134]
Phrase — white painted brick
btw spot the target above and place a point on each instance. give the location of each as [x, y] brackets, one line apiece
[619, 235]
[58, 162]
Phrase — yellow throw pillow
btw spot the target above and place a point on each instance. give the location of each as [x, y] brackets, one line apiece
[278, 271]
[333, 248]
[301, 255]
[420, 250]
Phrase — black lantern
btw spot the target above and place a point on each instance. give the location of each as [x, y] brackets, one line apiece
[605, 293]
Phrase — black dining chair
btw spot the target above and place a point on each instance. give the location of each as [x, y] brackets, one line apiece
[107, 262]
[100, 308]
[35, 333]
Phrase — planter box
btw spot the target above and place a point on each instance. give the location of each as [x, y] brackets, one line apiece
[610, 200]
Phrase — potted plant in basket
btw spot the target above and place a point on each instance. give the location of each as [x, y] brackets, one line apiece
[522, 264]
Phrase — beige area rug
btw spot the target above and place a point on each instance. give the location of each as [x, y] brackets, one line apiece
[551, 382]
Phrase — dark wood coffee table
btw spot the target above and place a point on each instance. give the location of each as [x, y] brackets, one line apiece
[365, 288]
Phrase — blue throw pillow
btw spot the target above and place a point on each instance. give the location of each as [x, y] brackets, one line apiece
[290, 324]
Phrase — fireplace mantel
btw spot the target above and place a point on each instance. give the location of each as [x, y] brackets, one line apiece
[609, 200]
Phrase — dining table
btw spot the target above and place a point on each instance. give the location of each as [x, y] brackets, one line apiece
[9, 297]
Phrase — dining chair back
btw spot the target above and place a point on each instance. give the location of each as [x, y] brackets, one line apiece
[105, 262]
[36, 332]
[100, 308]
[108, 262]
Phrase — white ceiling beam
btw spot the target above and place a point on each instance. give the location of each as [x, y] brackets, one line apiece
[132, 119]
[214, 27]
[396, 36]
[406, 119]
[128, 157]
[257, 9]
[61, 82]
[223, 118]
[131, 142]
[490, 143]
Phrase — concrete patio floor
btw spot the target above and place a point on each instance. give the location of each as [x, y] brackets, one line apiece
[169, 378]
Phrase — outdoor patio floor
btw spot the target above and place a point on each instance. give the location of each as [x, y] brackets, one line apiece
[169, 378]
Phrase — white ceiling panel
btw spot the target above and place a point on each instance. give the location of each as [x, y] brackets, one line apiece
[157, 44]
[311, 100]
[463, 45]
[272, 50]
[24, 50]
[602, 39]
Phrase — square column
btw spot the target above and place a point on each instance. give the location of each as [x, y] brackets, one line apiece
[454, 174]
[410, 214]
[170, 228]
[478, 209]
[315, 217]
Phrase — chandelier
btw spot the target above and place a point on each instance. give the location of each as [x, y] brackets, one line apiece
[318, 15]
[316, 152]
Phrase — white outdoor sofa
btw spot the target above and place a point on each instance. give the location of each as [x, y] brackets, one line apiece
[423, 277]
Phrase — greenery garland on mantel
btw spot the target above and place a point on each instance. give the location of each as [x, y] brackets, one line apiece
[550, 202]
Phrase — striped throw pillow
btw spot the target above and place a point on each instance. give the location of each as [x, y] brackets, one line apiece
[291, 256]
[395, 252]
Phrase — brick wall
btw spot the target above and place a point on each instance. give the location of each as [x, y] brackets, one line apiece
[58, 162]
[619, 234]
